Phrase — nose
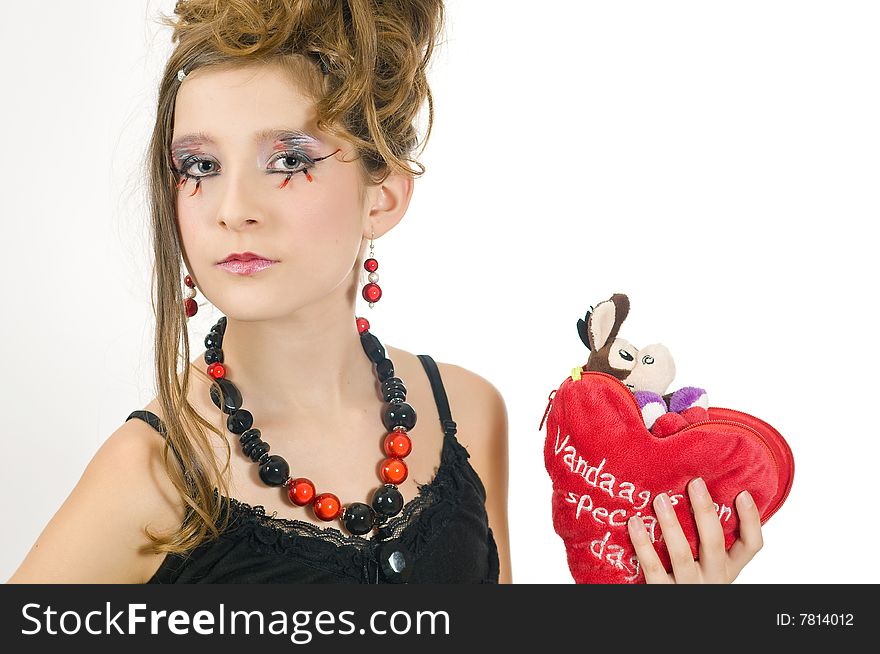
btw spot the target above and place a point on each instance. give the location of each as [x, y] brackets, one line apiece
[240, 199]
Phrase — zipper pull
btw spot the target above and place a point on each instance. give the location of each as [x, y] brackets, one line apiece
[547, 410]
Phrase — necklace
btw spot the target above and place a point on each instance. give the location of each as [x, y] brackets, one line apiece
[358, 518]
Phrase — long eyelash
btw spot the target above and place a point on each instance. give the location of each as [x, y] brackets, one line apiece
[192, 160]
[305, 170]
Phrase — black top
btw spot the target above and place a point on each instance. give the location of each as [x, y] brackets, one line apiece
[445, 527]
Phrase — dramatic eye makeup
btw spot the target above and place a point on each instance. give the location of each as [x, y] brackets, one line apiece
[293, 148]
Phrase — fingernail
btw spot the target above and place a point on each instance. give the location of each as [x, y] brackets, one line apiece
[663, 501]
[637, 528]
[700, 486]
[747, 499]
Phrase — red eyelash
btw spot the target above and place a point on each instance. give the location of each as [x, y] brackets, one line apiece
[287, 179]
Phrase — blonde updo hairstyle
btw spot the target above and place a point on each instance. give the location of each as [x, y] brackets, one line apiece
[376, 54]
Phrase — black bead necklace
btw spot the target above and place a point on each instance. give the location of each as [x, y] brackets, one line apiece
[392, 557]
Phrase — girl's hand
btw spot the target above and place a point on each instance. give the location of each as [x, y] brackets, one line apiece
[716, 566]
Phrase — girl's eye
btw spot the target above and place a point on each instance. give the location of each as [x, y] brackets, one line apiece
[185, 168]
[292, 162]
[296, 161]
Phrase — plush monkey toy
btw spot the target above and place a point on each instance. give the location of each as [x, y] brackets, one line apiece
[647, 372]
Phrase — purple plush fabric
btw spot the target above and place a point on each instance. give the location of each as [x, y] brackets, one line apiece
[685, 398]
[646, 397]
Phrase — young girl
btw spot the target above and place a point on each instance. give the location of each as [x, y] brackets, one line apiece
[297, 447]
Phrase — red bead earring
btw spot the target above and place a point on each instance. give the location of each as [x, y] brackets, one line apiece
[372, 292]
[189, 303]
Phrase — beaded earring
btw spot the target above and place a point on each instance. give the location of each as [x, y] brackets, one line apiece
[371, 292]
[189, 302]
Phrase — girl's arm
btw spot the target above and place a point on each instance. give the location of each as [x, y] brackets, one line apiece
[97, 534]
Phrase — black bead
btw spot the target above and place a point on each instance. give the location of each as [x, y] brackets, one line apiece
[394, 394]
[249, 435]
[213, 355]
[358, 518]
[248, 447]
[259, 449]
[387, 500]
[231, 401]
[240, 421]
[221, 326]
[395, 561]
[274, 471]
[393, 382]
[213, 340]
[372, 347]
[399, 415]
[384, 369]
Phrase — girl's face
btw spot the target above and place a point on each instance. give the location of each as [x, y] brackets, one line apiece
[245, 138]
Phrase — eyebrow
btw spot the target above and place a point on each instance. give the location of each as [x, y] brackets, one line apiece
[272, 133]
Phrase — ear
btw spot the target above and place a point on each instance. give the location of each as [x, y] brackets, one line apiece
[605, 320]
[387, 202]
[621, 311]
[584, 330]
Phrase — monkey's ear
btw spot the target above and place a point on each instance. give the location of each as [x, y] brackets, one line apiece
[582, 327]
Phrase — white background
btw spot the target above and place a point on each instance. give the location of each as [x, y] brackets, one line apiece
[717, 162]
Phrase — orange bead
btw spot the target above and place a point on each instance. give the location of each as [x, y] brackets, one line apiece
[217, 370]
[301, 491]
[327, 506]
[394, 470]
[397, 444]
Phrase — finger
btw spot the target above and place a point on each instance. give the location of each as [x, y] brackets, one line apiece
[683, 565]
[713, 556]
[651, 565]
[750, 540]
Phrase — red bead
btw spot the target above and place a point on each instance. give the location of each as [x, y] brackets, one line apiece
[397, 444]
[363, 325]
[301, 491]
[327, 506]
[372, 292]
[371, 265]
[217, 370]
[191, 307]
[189, 282]
[393, 471]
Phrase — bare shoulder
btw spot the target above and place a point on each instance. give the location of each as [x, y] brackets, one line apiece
[478, 409]
[96, 536]
[477, 406]
[480, 414]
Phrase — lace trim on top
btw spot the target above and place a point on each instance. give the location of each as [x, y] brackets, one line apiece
[347, 555]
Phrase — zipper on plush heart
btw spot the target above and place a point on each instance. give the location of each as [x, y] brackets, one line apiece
[547, 410]
[575, 375]
[756, 435]
[752, 431]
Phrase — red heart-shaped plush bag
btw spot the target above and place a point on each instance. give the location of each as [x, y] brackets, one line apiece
[606, 466]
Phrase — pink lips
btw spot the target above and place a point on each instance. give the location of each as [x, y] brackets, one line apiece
[246, 267]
